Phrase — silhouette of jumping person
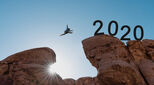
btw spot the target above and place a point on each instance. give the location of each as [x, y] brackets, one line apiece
[67, 31]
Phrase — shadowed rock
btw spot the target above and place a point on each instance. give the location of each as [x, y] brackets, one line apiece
[149, 48]
[37, 56]
[116, 63]
[143, 55]
[69, 81]
[5, 80]
[110, 56]
[30, 67]
[147, 69]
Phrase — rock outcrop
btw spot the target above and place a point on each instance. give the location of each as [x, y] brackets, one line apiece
[28, 68]
[117, 64]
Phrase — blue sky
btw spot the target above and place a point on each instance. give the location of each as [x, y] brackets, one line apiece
[26, 24]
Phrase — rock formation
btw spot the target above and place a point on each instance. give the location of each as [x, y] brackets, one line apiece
[117, 64]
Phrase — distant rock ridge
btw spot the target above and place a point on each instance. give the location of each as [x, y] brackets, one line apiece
[117, 64]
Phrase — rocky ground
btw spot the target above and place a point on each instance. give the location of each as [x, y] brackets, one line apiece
[117, 64]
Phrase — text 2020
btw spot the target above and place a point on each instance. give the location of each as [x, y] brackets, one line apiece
[122, 28]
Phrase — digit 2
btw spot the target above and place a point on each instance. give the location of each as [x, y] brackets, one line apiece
[101, 25]
[123, 37]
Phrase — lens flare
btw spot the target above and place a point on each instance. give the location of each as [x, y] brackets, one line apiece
[51, 69]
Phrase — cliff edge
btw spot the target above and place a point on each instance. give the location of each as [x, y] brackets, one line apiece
[117, 64]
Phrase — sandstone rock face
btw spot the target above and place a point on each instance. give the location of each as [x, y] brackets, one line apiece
[5, 80]
[29, 68]
[69, 82]
[36, 56]
[143, 54]
[113, 61]
[147, 69]
[149, 48]
[117, 64]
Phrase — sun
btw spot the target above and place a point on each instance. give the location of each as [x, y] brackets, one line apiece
[52, 69]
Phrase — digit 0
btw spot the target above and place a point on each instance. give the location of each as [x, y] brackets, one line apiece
[116, 29]
[142, 32]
